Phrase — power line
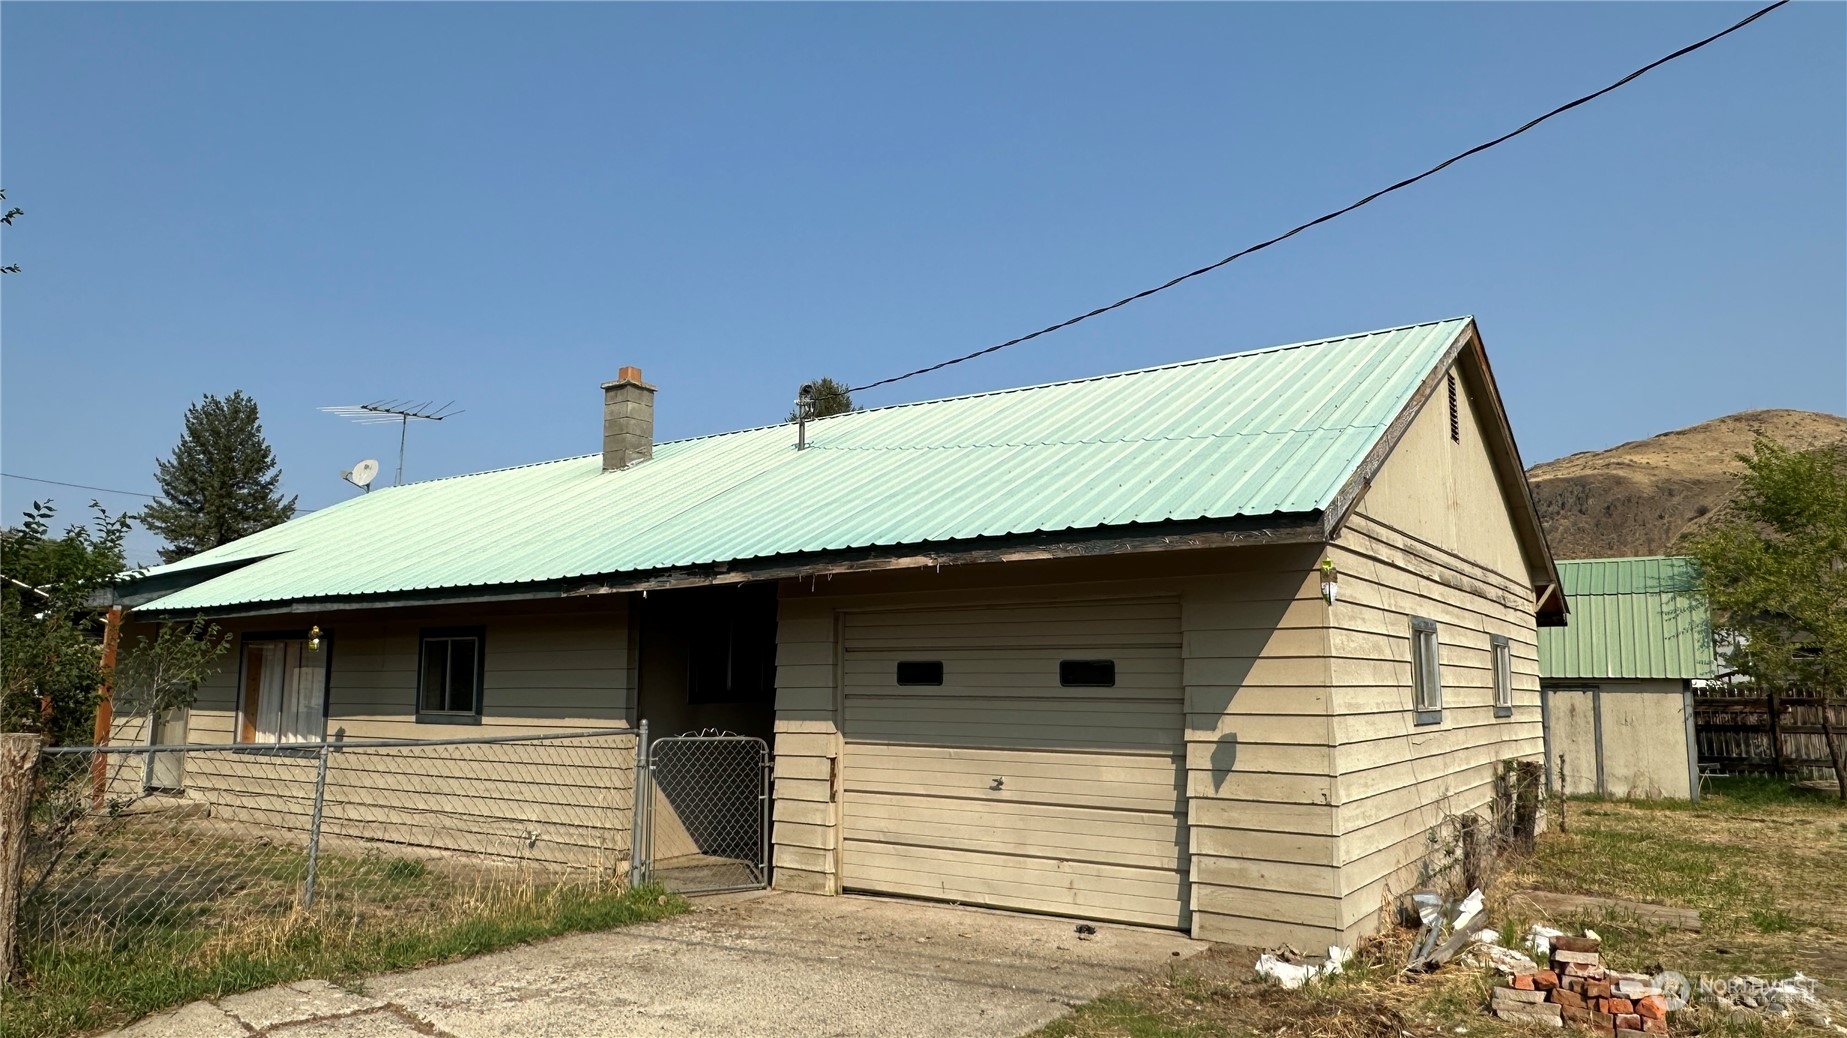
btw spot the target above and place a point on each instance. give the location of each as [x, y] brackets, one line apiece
[78, 486]
[105, 490]
[1292, 232]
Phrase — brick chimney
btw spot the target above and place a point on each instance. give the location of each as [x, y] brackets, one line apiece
[628, 420]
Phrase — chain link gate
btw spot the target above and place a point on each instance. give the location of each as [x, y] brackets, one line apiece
[702, 812]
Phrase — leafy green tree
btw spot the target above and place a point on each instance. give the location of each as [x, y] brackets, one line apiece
[1774, 569]
[50, 650]
[164, 673]
[220, 483]
[831, 396]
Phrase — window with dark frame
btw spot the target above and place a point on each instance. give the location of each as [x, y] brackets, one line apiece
[449, 673]
[1087, 673]
[1426, 675]
[920, 672]
[1503, 676]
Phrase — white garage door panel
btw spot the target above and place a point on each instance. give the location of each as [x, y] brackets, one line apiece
[1088, 817]
[1101, 837]
[987, 722]
[1072, 888]
[1129, 622]
[1108, 780]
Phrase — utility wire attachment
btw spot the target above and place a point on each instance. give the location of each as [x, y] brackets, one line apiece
[1324, 218]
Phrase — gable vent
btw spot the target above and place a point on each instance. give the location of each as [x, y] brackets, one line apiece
[1455, 416]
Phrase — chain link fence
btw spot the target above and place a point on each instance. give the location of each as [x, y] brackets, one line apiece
[223, 847]
[704, 821]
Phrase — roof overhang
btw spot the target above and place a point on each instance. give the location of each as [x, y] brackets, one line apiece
[1470, 359]
[1069, 544]
[136, 591]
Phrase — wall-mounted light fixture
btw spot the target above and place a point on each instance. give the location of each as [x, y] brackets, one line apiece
[1330, 582]
[314, 638]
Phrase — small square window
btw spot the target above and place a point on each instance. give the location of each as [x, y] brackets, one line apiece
[1087, 673]
[449, 675]
[1426, 675]
[1503, 677]
[920, 672]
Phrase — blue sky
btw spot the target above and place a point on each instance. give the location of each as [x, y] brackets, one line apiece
[501, 205]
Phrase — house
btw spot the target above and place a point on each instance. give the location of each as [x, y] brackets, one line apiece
[1217, 646]
[1618, 683]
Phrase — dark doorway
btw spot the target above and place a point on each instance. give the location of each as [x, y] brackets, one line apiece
[708, 660]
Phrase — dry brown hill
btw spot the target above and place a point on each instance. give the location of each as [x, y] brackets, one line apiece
[1639, 497]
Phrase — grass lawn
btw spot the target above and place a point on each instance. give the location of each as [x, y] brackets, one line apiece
[1765, 865]
[154, 917]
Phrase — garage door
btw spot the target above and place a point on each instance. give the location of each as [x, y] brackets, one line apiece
[1019, 756]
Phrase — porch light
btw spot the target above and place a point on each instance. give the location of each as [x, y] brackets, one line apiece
[314, 638]
[1330, 582]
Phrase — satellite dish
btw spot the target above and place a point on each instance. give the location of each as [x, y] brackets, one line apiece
[363, 474]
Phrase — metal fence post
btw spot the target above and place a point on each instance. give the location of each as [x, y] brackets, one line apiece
[314, 828]
[638, 814]
[763, 830]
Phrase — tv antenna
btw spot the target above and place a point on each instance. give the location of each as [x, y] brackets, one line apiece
[386, 412]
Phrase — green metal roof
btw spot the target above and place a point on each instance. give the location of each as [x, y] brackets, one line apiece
[1271, 432]
[1630, 618]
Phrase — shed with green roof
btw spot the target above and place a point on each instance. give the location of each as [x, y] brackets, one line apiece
[1619, 679]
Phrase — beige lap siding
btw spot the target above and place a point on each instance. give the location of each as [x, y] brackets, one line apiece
[1400, 781]
[546, 670]
[1432, 537]
[1259, 771]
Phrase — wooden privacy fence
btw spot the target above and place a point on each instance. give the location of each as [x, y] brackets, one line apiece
[1768, 734]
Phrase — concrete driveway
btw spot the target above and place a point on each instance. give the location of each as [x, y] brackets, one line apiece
[759, 967]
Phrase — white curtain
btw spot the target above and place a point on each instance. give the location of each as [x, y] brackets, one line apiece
[292, 687]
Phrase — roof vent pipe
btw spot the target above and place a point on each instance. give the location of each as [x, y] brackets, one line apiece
[628, 420]
[804, 410]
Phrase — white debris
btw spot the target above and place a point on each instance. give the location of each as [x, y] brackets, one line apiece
[1287, 974]
[1293, 975]
[1487, 936]
[1539, 938]
[1468, 909]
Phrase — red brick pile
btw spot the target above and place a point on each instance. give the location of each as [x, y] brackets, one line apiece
[1578, 990]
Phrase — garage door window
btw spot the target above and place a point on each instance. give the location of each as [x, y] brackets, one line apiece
[920, 672]
[1087, 673]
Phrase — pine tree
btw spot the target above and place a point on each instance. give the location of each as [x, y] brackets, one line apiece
[220, 483]
[831, 397]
